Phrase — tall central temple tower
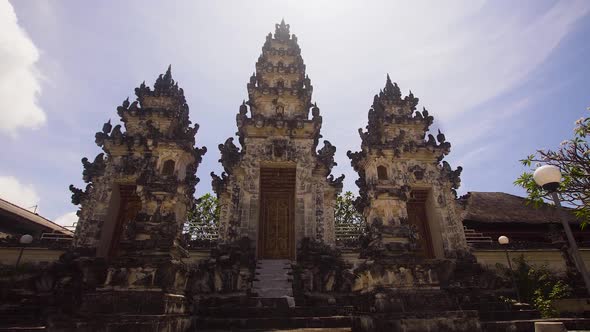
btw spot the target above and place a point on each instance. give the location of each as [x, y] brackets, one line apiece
[278, 189]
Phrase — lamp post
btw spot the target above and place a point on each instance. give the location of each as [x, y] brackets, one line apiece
[503, 241]
[24, 240]
[548, 177]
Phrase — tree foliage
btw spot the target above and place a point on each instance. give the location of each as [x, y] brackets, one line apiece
[345, 213]
[203, 220]
[349, 223]
[538, 286]
[573, 159]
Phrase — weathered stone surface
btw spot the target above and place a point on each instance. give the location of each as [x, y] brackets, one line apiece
[131, 217]
[549, 327]
[278, 133]
[229, 270]
[395, 164]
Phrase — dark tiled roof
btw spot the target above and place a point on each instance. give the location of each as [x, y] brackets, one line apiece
[498, 207]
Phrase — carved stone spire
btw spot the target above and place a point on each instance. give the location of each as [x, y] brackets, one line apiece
[135, 204]
[137, 155]
[275, 130]
[397, 163]
[164, 82]
[391, 91]
[282, 31]
[280, 88]
[165, 86]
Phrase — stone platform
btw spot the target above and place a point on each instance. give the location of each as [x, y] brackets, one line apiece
[270, 307]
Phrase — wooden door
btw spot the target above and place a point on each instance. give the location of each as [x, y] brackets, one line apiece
[129, 206]
[417, 217]
[276, 231]
[276, 222]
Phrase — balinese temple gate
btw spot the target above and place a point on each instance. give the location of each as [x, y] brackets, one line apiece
[278, 189]
[276, 265]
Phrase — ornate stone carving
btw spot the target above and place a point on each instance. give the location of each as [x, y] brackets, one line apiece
[93, 169]
[326, 155]
[282, 31]
[230, 154]
[394, 137]
[277, 132]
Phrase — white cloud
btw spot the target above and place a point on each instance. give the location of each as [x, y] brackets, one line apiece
[66, 220]
[23, 195]
[19, 81]
[487, 119]
[477, 57]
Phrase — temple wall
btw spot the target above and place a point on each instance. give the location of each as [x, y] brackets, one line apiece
[9, 256]
[314, 198]
[444, 221]
[552, 258]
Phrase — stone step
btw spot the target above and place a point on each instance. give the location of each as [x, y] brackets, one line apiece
[269, 284]
[273, 266]
[266, 284]
[273, 279]
[271, 322]
[529, 324]
[508, 315]
[338, 329]
[284, 271]
[270, 273]
[272, 263]
[23, 328]
[276, 311]
[273, 293]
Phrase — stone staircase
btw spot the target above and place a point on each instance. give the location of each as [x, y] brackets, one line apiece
[273, 280]
[24, 314]
[474, 238]
[271, 307]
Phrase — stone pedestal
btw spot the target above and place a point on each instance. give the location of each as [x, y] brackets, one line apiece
[549, 327]
[126, 302]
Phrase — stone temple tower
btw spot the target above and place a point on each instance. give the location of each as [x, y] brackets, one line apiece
[278, 189]
[406, 194]
[134, 206]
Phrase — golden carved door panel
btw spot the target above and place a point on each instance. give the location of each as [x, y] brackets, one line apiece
[417, 217]
[276, 231]
[276, 220]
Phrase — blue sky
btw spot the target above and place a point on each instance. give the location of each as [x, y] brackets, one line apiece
[502, 78]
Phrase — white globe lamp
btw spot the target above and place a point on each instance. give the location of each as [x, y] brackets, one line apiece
[548, 177]
[26, 239]
[503, 240]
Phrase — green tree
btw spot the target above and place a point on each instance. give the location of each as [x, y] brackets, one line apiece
[349, 223]
[203, 220]
[345, 212]
[573, 159]
[538, 286]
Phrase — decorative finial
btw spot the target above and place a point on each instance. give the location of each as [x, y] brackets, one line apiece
[391, 90]
[282, 31]
[165, 83]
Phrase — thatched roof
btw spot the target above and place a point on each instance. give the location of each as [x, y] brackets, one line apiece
[497, 207]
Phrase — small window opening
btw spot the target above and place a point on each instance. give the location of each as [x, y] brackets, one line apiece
[381, 173]
[168, 168]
